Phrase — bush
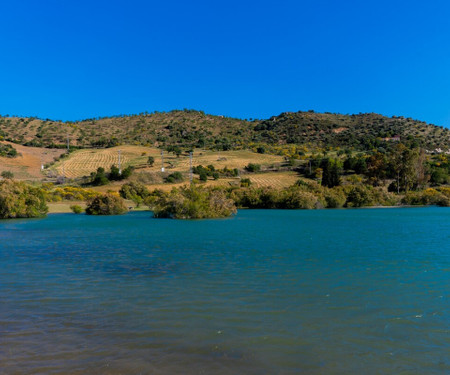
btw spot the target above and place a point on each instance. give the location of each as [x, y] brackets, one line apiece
[193, 203]
[70, 193]
[8, 175]
[106, 204]
[134, 191]
[427, 197]
[8, 151]
[245, 182]
[294, 198]
[359, 196]
[251, 167]
[99, 178]
[20, 200]
[175, 177]
[76, 209]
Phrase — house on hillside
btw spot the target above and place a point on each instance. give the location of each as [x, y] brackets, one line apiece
[395, 138]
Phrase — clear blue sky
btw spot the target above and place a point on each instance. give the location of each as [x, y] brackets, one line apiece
[250, 59]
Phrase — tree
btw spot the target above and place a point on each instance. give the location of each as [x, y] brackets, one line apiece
[252, 167]
[331, 173]
[376, 167]
[20, 200]
[99, 178]
[406, 166]
[151, 161]
[127, 172]
[174, 177]
[134, 191]
[114, 174]
[106, 204]
[203, 176]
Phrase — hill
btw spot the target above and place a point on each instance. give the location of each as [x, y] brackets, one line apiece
[189, 128]
[363, 131]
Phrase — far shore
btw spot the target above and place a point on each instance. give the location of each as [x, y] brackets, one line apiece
[64, 207]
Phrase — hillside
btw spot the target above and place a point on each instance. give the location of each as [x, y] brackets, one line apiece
[189, 128]
[82, 162]
[27, 164]
[362, 131]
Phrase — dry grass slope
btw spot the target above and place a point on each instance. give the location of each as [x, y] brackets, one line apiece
[28, 164]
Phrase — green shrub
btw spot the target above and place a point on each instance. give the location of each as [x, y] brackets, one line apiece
[359, 196]
[8, 151]
[245, 182]
[76, 209]
[134, 191]
[99, 178]
[427, 197]
[294, 198]
[106, 204]
[251, 167]
[193, 203]
[7, 175]
[174, 177]
[20, 200]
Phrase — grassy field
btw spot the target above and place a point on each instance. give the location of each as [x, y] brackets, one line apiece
[83, 162]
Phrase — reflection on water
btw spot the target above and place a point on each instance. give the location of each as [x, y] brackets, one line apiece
[266, 292]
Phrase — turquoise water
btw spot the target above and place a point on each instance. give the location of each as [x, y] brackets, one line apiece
[265, 292]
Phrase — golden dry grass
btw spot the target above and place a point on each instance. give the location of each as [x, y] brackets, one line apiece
[277, 180]
[83, 162]
[28, 164]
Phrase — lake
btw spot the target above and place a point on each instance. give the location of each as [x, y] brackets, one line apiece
[265, 292]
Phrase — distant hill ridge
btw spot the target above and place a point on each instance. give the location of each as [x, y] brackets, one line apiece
[191, 128]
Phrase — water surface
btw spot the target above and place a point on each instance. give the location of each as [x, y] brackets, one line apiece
[265, 292]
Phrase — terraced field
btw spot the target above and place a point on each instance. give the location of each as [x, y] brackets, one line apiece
[277, 180]
[230, 159]
[83, 162]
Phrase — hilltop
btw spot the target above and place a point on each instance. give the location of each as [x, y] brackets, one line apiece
[190, 128]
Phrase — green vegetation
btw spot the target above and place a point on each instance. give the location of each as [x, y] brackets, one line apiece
[343, 160]
[67, 193]
[252, 167]
[181, 130]
[100, 177]
[106, 204]
[134, 191]
[8, 175]
[307, 194]
[174, 178]
[8, 151]
[20, 200]
[193, 203]
[76, 209]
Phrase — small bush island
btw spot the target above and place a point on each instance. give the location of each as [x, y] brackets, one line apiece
[106, 204]
[193, 203]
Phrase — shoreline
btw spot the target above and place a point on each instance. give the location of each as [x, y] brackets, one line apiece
[64, 207]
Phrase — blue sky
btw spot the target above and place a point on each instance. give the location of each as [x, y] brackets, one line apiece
[250, 59]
